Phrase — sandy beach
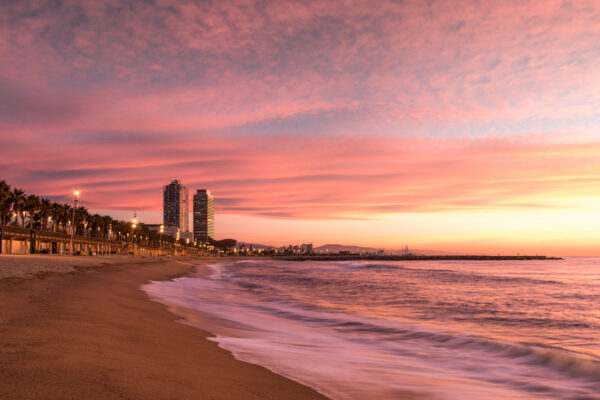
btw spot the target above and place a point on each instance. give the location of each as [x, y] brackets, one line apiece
[80, 328]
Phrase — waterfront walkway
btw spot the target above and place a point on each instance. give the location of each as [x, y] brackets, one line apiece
[17, 240]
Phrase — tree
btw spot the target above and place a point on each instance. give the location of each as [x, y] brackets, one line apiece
[107, 223]
[31, 205]
[45, 212]
[42, 210]
[96, 224]
[18, 204]
[82, 217]
[5, 201]
[56, 211]
[64, 216]
[224, 244]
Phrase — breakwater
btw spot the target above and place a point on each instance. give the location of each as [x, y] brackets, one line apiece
[411, 257]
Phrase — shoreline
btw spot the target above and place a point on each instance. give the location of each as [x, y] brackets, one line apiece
[215, 326]
[91, 332]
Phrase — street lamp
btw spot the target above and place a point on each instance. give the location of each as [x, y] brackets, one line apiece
[75, 200]
[161, 230]
[133, 226]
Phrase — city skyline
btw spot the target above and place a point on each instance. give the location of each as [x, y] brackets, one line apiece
[464, 129]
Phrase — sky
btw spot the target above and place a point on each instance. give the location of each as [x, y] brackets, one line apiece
[468, 126]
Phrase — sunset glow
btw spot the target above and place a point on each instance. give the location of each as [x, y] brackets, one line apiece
[471, 128]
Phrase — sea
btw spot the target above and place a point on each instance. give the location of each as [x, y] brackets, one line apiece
[405, 329]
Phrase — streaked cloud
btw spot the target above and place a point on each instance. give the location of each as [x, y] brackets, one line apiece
[330, 176]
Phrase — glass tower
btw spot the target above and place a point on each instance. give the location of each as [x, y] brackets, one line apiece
[204, 215]
[175, 205]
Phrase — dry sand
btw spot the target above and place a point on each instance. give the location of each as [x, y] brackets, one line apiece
[93, 334]
[28, 266]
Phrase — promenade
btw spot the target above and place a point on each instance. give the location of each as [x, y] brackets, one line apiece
[17, 240]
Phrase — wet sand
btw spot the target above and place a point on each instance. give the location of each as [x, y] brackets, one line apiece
[93, 334]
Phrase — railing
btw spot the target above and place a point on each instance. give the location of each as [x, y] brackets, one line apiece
[19, 231]
[24, 233]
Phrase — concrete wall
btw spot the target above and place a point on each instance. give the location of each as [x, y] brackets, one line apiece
[20, 247]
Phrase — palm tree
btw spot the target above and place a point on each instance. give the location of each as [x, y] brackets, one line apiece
[18, 204]
[154, 238]
[82, 216]
[56, 212]
[121, 229]
[32, 205]
[45, 212]
[96, 225]
[5, 201]
[107, 223]
[64, 216]
[41, 211]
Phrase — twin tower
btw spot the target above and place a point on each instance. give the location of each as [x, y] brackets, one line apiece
[175, 211]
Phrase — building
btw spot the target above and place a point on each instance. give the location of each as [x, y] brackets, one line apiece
[168, 229]
[175, 206]
[204, 216]
[171, 230]
[307, 248]
[189, 236]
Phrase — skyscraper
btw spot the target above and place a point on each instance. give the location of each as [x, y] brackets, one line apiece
[175, 205]
[204, 215]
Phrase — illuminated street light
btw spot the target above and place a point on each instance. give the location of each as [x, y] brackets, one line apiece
[161, 230]
[133, 226]
[76, 194]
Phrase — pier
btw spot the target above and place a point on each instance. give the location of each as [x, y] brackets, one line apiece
[410, 257]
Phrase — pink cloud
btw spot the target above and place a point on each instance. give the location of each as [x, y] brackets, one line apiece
[303, 110]
[326, 177]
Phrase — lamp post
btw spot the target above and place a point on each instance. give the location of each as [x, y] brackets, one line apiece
[161, 230]
[133, 226]
[75, 200]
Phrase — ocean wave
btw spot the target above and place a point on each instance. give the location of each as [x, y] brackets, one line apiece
[358, 265]
[449, 275]
[378, 328]
[558, 359]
